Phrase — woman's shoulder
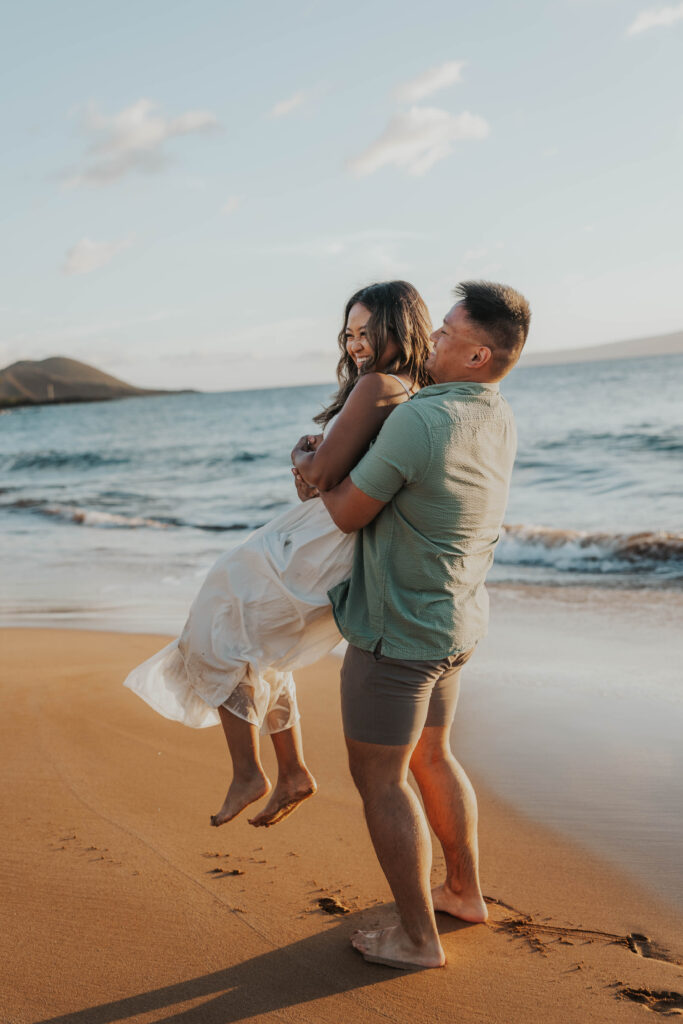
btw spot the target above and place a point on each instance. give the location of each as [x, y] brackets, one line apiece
[383, 385]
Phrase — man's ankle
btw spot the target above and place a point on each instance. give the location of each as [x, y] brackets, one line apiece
[423, 939]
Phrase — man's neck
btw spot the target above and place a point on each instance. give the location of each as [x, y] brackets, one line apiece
[469, 380]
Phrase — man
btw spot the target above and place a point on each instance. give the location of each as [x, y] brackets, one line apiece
[429, 498]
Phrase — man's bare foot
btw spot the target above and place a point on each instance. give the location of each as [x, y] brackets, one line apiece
[470, 908]
[285, 798]
[393, 948]
[241, 793]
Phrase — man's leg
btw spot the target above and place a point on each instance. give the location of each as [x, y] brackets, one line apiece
[400, 836]
[451, 807]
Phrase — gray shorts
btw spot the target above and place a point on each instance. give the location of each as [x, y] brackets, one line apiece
[390, 701]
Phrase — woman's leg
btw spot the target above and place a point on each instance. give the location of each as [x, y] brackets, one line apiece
[249, 781]
[294, 781]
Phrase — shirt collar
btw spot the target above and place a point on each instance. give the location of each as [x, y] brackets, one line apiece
[458, 387]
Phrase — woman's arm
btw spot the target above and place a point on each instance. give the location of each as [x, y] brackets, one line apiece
[351, 432]
[350, 508]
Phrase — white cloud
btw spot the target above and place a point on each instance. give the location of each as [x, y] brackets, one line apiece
[475, 255]
[655, 18]
[54, 331]
[86, 255]
[350, 244]
[95, 341]
[358, 256]
[430, 82]
[481, 261]
[133, 140]
[233, 203]
[284, 107]
[257, 343]
[417, 139]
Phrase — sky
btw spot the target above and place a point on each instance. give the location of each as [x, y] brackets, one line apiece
[190, 192]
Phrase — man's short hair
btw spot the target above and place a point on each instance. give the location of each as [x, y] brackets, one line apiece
[504, 315]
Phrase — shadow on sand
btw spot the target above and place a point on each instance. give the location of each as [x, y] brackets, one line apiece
[320, 966]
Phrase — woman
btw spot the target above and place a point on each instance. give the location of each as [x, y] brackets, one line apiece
[263, 609]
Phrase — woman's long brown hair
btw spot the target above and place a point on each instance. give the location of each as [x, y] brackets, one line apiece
[398, 313]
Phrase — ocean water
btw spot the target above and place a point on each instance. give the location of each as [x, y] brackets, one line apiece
[111, 513]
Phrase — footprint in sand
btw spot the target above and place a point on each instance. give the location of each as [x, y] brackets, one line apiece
[524, 925]
[661, 1002]
[331, 905]
[75, 846]
[642, 946]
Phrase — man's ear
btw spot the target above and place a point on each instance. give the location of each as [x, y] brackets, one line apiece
[481, 356]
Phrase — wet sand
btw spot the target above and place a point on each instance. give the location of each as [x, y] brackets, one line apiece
[578, 693]
[120, 902]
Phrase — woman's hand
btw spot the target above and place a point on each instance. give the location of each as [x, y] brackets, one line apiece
[303, 454]
[304, 490]
[307, 443]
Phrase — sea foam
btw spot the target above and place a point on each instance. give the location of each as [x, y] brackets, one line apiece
[587, 551]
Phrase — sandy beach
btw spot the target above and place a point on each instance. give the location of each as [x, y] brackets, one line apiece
[238, 236]
[121, 903]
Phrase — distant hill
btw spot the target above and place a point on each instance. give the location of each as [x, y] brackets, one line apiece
[59, 379]
[659, 345]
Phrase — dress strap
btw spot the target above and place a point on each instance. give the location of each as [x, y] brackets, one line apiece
[402, 383]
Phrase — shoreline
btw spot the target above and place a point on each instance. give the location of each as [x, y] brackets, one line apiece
[168, 620]
[114, 908]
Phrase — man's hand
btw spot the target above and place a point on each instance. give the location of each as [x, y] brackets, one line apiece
[304, 490]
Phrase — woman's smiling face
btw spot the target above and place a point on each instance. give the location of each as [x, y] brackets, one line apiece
[358, 344]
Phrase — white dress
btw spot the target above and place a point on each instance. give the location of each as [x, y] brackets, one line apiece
[261, 612]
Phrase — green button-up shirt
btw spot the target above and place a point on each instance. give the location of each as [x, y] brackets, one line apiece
[443, 462]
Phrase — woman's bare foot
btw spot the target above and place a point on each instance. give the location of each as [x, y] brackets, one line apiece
[393, 948]
[241, 793]
[467, 908]
[289, 792]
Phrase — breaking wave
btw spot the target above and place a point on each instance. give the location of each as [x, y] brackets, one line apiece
[638, 439]
[113, 520]
[51, 460]
[588, 551]
[65, 460]
[216, 461]
[561, 550]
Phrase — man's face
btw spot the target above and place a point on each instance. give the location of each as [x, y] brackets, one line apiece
[458, 352]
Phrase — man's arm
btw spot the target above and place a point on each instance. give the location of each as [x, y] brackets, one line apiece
[399, 457]
[350, 508]
[323, 462]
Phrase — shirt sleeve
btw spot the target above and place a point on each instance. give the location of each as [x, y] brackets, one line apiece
[399, 456]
